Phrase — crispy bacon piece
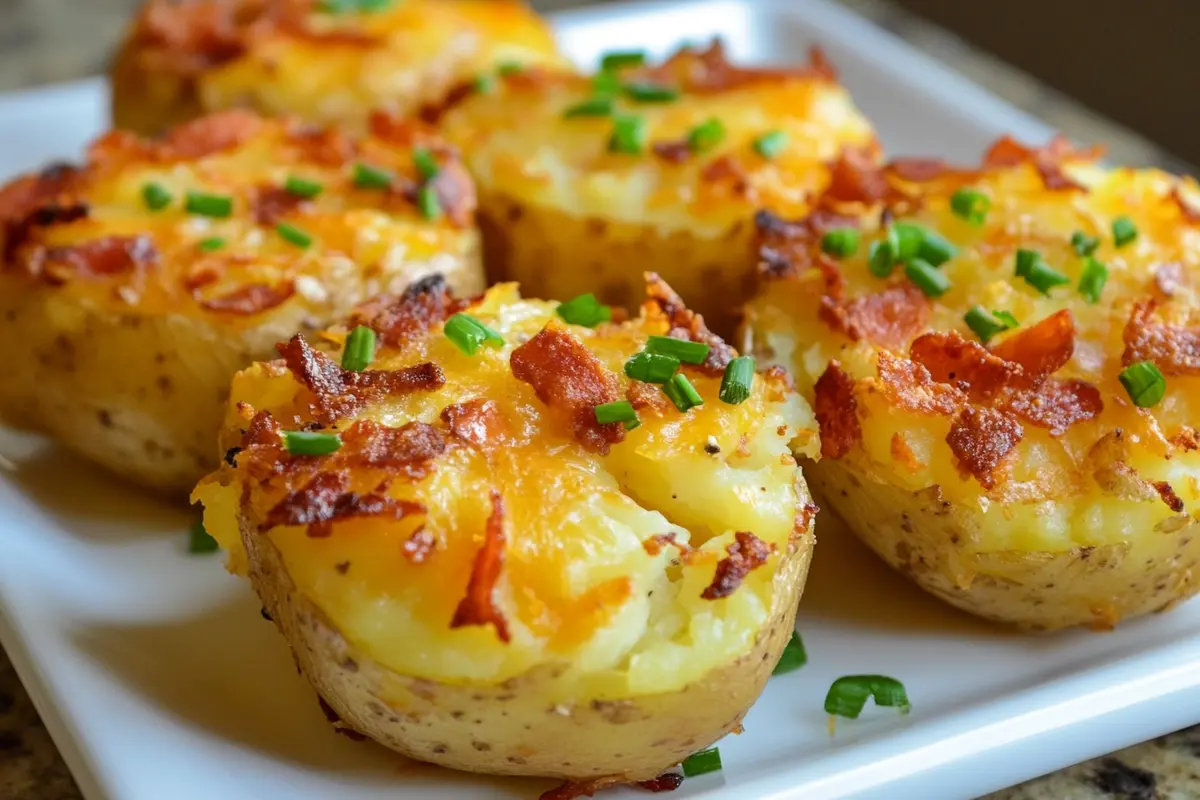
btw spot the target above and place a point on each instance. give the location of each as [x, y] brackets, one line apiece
[918, 170]
[408, 449]
[836, 410]
[856, 177]
[569, 378]
[686, 324]
[1041, 349]
[456, 193]
[667, 782]
[745, 553]
[1187, 440]
[963, 364]
[981, 439]
[400, 320]
[1167, 493]
[909, 385]
[710, 70]
[107, 256]
[478, 607]
[788, 248]
[37, 200]
[676, 151]
[1056, 404]
[728, 170]
[1175, 350]
[888, 318]
[659, 541]
[329, 147]
[646, 396]
[1048, 160]
[250, 299]
[210, 134]
[477, 422]
[338, 393]
[263, 430]
[326, 498]
[270, 204]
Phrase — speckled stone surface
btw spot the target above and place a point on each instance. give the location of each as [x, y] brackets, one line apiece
[43, 41]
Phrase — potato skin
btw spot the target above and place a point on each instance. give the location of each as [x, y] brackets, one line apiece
[182, 60]
[126, 359]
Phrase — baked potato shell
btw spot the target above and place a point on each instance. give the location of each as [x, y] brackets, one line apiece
[130, 329]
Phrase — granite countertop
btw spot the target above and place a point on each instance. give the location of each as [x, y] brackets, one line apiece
[43, 41]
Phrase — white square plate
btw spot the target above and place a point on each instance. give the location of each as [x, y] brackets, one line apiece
[157, 678]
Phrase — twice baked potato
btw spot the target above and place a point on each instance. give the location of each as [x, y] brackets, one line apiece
[485, 575]
[133, 287]
[983, 348]
[325, 61]
[585, 183]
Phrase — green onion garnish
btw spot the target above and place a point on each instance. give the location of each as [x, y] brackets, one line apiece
[584, 310]
[849, 694]
[606, 84]
[771, 144]
[293, 235]
[651, 367]
[1123, 231]
[1038, 274]
[706, 135]
[592, 107]
[1007, 318]
[840, 242]
[1091, 283]
[907, 239]
[353, 6]
[211, 244]
[469, 334]
[1144, 383]
[935, 248]
[701, 763]
[360, 349]
[736, 382]
[301, 187]
[793, 657]
[628, 135]
[682, 393]
[484, 84]
[686, 351]
[311, 443]
[427, 165]
[987, 324]
[506, 68]
[1025, 261]
[971, 205]
[619, 411]
[927, 277]
[1083, 244]
[368, 177]
[200, 541]
[622, 59]
[209, 205]
[156, 197]
[428, 202]
[881, 258]
[650, 93]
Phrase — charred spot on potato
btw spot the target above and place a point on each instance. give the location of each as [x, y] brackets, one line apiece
[439, 749]
[482, 747]
[263, 613]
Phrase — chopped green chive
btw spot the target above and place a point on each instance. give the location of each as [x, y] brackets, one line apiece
[301, 187]
[907, 239]
[353, 6]
[628, 135]
[606, 84]
[506, 68]
[650, 93]
[737, 380]
[293, 235]
[469, 334]
[200, 541]
[1091, 282]
[311, 443]
[1025, 261]
[427, 165]
[156, 197]
[651, 367]
[927, 277]
[686, 351]
[209, 205]
[210, 244]
[771, 144]
[584, 310]
[971, 205]
[701, 763]
[1144, 383]
[1123, 231]
[592, 107]
[484, 84]
[935, 248]
[682, 393]
[1007, 318]
[1084, 245]
[706, 136]
[428, 202]
[1037, 273]
[881, 258]
[793, 657]
[987, 324]
[620, 411]
[840, 242]
[368, 177]
[622, 59]
[848, 695]
[360, 349]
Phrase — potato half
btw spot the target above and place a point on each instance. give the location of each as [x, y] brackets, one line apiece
[568, 205]
[133, 287]
[1015, 477]
[325, 61]
[485, 577]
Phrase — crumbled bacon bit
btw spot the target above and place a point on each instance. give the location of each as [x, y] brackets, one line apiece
[836, 410]
[1168, 496]
[746, 553]
[676, 151]
[981, 439]
[729, 171]
[1056, 404]
[250, 299]
[667, 782]
[856, 177]
[788, 248]
[409, 448]
[909, 385]
[456, 193]
[401, 320]
[888, 318]
[477, 422]
[1187, 439]
[1048, 160]
[964, 364]
[478, 607]
[1175, 350]
[646, 396]
[804, 518]
[686, 324]
[419, 545]
[710, 70]
[903, 454]
[1041, 349]
[326, 499]
[270, 204]
[918, 170]
[329, 147]
[214, 133]
[110, 255]
[263, 430]
[569, 378]
[659, 541]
